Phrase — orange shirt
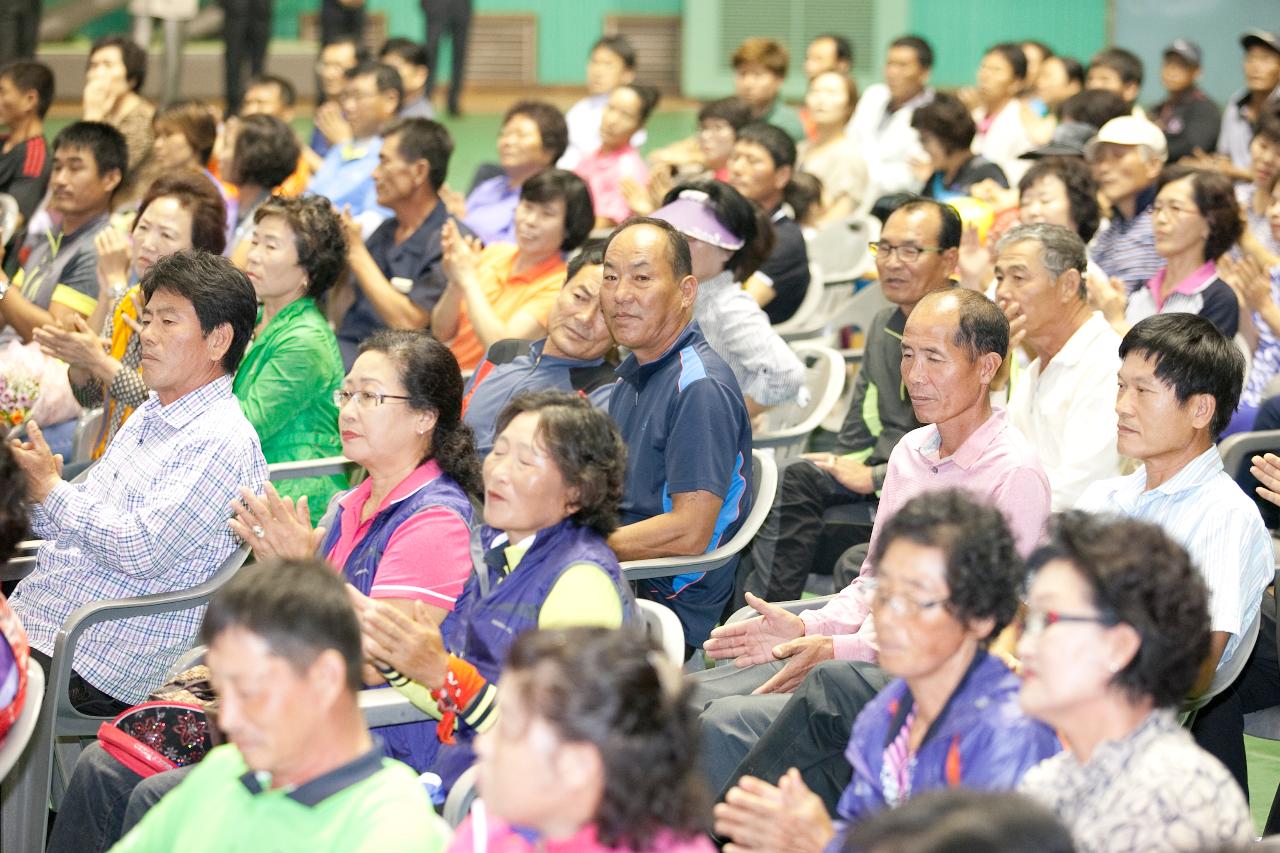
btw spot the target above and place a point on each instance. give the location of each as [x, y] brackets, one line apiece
[533, 291]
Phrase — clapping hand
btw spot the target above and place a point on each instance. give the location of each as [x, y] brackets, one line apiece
[409, 644]
[274, 526]
[42, 467]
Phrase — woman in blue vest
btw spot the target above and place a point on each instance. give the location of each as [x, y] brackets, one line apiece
[552, 486]
[402, 537]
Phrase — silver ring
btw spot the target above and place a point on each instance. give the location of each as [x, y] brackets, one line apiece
[259, 531]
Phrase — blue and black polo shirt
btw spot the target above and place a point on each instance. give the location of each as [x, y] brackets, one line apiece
[686, 427]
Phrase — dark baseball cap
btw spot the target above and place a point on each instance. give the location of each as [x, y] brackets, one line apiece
[1068, 140]
[1261, 38]
[1186, 50]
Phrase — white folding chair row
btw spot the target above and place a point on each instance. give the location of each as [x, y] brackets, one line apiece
[788, 426]
[808, 321]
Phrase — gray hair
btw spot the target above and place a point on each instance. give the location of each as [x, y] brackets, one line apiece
[1061, 249]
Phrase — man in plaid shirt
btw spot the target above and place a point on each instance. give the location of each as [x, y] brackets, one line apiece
[151, 515]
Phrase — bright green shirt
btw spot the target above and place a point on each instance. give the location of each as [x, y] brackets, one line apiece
[372, 804]
[285, 385]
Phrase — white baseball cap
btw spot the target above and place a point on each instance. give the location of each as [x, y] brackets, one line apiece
[1129, 130]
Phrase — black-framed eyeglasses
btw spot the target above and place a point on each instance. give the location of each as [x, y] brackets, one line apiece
[906, 254]
[364, 399]
[1034, 622]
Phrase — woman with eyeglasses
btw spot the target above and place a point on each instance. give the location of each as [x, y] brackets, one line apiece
[947, 582]
[1196, 220]
[1114, 635]
[402, 536]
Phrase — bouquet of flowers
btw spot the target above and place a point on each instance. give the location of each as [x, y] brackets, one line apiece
[18, 393]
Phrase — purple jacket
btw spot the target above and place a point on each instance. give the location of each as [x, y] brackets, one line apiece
[982, 739]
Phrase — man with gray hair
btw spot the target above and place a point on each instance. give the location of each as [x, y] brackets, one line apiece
[1063, 403]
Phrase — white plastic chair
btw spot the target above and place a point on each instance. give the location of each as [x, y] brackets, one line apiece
[662, 625]
[88, 428]
[23, 727]
[842, 248]
[858, 312]
[789, 425]
[26, 791]
[764, 480]
[809, 321]
[323, 467]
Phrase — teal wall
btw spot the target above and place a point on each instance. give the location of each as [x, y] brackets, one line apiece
[566, 28]
[961, 30]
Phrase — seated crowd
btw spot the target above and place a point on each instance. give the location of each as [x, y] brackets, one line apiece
[1051, 609]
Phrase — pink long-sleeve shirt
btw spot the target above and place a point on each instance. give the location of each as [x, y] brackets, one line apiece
[995, 464]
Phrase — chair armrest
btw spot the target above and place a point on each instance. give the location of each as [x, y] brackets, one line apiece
[796, 607]
[665, 567]
[87, 615]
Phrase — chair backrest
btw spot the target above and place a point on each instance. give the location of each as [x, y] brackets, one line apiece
[860, 308]
[1227, 673]
[20, 732]
[663, 625]
[789, 425]
[461, 796]
[88, 429]
[808, 318]
[1235, 449]
[842, 248]
[764, 483]
[322, 467]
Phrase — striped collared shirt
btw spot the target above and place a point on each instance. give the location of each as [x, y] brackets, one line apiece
[1203, 509]
[150, 517]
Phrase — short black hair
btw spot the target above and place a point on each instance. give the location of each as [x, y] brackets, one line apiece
[357, 44]
[299, 608]
[1094, 107]
[732, 109]
[579, 216]
[619, 47]
[952, 226]
[13, 504]
[736, 213]
[677, 248]
[1139, 577]
[133, 56]
[960, 819]
[550, 122]
[1071, 66]
[429, 372]
[412, 52]
[318, 237]
[1269, 124]
[288, 94]
[844, 50]
[613, 689]
[586, 447]
[781, 147]
[1124, 62]
[1082, 190]
[266, 152]
[218, 290]
[924, 51]
[104, 142]
[1215, 196]
[649, 97]
[590, 255]
[1013, 54]
[984, 572]
[385, 78]
[947, 119]
[1192, 357]
[31, 76]
[423, 139]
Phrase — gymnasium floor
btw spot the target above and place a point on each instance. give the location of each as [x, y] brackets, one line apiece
[475, 134]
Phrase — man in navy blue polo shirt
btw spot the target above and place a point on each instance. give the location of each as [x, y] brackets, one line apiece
[572, 357]
[683, 418]
[397, 272]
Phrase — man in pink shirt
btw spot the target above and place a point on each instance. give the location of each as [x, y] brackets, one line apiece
[952, 347]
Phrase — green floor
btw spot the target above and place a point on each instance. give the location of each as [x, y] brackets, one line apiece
[1264, 775]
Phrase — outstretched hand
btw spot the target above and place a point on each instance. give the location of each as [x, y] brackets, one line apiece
[753, 640]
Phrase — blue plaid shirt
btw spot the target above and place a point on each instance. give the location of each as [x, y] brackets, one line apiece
[150, 517]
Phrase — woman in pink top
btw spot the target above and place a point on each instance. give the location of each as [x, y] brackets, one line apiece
[626, 111]
[404, 533]
[596, 750]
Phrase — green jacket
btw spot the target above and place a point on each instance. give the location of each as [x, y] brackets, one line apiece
[285, 385]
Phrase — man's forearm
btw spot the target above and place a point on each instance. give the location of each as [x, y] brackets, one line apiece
[23, 314]
[666, 535]
[393, 307]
